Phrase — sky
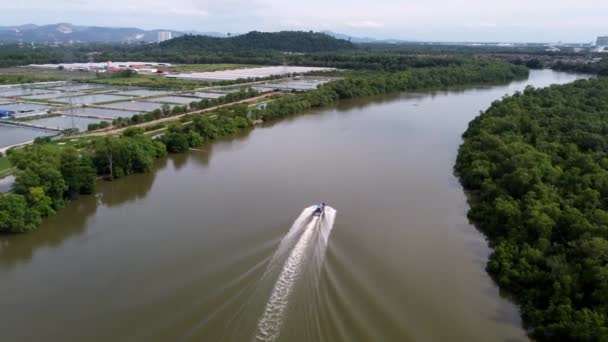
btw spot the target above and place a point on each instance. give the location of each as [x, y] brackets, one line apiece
[424, 20]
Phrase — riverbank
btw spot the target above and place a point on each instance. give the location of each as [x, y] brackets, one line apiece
[538, 175]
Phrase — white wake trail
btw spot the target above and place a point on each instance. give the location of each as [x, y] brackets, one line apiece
[269, 325]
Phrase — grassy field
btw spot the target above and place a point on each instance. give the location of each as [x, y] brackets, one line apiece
[209, 67]
[5, 166]
[45, 74]
[20, 79]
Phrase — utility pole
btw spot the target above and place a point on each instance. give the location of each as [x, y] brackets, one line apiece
[73, 126]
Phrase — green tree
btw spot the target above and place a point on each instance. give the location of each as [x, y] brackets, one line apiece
[40, 202]
[176, 142]
[15, 216]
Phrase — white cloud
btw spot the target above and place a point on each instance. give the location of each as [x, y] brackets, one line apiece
[481, 24]
[189, 13]
[369, 24]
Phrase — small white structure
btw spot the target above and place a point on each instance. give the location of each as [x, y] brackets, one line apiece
[602, 41]
[101, 66]
[163, 35]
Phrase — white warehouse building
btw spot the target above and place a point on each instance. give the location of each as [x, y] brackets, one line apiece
[164, 35]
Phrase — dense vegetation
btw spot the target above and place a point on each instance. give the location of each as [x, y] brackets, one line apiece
[599, 68]
[13, 54]
[257, 48]
[286, 41]
[49, 175]
[452, 49]
[253, 48]
[250, 48]
[204, 128]
[98, 125]
[373, 60]
[536, 164]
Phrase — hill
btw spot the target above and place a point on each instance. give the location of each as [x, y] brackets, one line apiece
[367, 40]
[64, 32]
[286, 41]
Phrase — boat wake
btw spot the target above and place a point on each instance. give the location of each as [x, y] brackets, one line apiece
[312, 234]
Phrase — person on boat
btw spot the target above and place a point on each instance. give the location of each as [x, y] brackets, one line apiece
[319, 210]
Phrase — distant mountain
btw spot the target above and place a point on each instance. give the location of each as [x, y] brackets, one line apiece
[285, 41]
[64, 32]
[350, 38]
[18, 28]
[361, 40]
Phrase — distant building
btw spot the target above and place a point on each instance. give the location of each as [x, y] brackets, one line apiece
[602, 41]
[163, 35]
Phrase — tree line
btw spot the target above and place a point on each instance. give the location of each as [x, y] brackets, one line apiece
[536, 165]
[369, 83]
[251, 48]
[246, 49]
[455, 49]
[285, 41]
[49, 175]
[598, 68]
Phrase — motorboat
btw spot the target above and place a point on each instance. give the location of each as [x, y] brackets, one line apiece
[319, 211]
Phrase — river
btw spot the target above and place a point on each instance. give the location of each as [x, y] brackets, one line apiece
[179, 254]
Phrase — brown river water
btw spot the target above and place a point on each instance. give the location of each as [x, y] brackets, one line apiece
[188, 252]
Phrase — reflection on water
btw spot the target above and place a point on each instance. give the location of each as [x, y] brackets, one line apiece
[128, 189]
[20, 248]
[179, 161]
[56, 229]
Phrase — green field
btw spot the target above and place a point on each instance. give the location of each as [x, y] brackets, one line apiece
[20, 79]
[5, 166]
[41, 75]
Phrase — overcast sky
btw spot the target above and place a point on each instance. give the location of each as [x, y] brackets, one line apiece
[435, 20]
